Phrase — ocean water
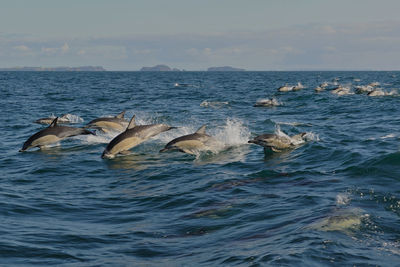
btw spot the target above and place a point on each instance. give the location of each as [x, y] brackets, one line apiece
[333, 201]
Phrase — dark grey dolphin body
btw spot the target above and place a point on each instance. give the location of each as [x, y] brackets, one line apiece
[192, 143]
[52, 134]
[277, 143]
[133, 136]
[117, 123]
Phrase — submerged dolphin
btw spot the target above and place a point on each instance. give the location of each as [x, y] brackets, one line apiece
[63, 119]
[277, 143]
[133, 136]
[52, 134]
[116, 123]
[344, 220]
[192, 143]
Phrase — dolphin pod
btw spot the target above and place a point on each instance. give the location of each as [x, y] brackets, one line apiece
[132, 135]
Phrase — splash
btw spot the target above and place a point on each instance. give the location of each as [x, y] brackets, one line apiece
[295, 140]
[267, 102]
[388, 136]
[310, 136]
[99, 138]
[233, 133]
[343, 199]
[73, 118]
[213, 104]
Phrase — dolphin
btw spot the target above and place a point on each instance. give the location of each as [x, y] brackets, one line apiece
[344, 220]
[63, 119]
[297, 87]
[192, 143]
[133, 136]
[285, 88]
[52, 134]
[116, 123]
[269, 102]
[277, 143]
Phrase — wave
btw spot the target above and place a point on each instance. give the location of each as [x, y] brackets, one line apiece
[293, 123]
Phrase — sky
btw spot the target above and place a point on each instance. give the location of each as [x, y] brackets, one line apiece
[197, 34]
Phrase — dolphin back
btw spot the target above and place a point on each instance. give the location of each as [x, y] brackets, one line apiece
[64, 131]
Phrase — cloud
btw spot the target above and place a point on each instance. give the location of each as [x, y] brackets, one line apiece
[55, 50]
[22, 48]
[64, 49]
[49, 50]
[336, 46]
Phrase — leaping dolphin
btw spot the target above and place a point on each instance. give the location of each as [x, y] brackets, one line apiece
[192, 143]
[116, 123]
[278, 143]
[133, 136]
[52, 134]
[63, 119]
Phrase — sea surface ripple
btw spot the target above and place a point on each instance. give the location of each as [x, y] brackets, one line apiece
[332, 201]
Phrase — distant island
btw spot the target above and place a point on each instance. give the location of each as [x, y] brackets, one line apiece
[83, 68]
[159, 68]
[225, 68]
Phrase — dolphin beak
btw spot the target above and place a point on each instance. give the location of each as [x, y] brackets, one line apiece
[105, 155]
[21, 150]
[164, 150]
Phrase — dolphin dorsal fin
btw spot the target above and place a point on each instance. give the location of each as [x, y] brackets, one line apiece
[54, 123]
[120, 115]
[202, 129]
[132, 123]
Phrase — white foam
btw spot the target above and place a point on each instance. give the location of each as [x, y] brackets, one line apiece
[343, 199]
[233, 133]
[268, 102]
[213, 104]
[388, 136]
[73, 118]
[310, 136]
[99, 138]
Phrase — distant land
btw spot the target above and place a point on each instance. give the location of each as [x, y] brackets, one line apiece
[167, 68]
[225, 68]
[159, 68]
[83, 68]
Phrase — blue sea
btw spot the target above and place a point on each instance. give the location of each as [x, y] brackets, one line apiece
[332, 201]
